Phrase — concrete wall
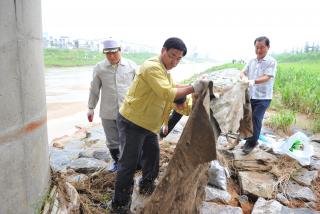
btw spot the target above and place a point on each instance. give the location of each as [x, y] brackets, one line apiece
[24, 163]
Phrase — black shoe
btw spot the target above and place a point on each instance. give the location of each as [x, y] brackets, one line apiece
[248, 147]
[146, 188]
[245, 145]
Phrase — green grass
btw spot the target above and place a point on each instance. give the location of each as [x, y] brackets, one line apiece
[282, 120]
[301, 57]
[276, 103]
[298, 83]
[78, 57]
[66, 57]
[316, 126]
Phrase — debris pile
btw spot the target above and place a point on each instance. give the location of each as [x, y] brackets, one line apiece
[262, 182]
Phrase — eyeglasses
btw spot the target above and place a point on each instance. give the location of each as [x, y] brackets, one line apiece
[173, 57]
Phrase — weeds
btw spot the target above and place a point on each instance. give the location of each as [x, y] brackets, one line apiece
[282, 120]
[316, 125]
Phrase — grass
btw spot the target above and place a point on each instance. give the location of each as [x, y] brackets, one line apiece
[79, 57]
[73, 57]
[316, 126]
[41, 202]
[300, 57]
[297, 82]
[282, 120]
[276, 103]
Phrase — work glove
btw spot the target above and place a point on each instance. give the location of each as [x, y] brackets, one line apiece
[251, 82]
[200, 85]
[90, 114]
[247, 81]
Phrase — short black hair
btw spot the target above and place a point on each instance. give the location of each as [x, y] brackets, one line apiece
[262, 38]
[180, 100]
[175, 43]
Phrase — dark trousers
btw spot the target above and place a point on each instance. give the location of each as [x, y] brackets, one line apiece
[135, 142]
[259, 108]
[173, 120]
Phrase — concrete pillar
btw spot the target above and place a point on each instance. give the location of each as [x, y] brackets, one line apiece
[24, 162]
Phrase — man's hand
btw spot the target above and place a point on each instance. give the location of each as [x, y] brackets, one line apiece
[247, 81]
[251, 82]
[165, 130]
[90, 114]
[200, 85]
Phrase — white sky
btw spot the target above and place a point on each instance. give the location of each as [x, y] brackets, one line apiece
[225, 29]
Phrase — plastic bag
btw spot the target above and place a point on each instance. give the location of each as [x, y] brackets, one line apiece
[217, 175]
[222, 139]
[298, 147]
[264, 143]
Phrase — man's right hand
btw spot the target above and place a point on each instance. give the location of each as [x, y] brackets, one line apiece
[90, 114]
[200, 85]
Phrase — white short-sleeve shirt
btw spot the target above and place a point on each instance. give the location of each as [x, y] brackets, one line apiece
[257, 68]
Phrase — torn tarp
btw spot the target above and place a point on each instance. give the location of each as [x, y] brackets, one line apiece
[181, 189]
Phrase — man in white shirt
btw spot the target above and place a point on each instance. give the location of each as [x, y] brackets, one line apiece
[259, 73]
[112, 77]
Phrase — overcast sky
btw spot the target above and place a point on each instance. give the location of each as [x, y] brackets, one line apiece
[225, 29]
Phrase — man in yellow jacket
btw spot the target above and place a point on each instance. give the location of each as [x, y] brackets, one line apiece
[140, 118]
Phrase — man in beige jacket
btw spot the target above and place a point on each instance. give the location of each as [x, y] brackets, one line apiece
[112, 77]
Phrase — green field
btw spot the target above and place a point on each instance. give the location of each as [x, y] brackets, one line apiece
[298, 82]
[78, 57]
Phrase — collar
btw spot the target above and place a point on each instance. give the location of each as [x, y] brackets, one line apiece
[162, 65]
[263, 59]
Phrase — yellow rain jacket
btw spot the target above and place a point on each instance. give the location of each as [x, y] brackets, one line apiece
[151, 91]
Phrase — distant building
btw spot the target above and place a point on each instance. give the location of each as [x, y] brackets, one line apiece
[66, 42]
